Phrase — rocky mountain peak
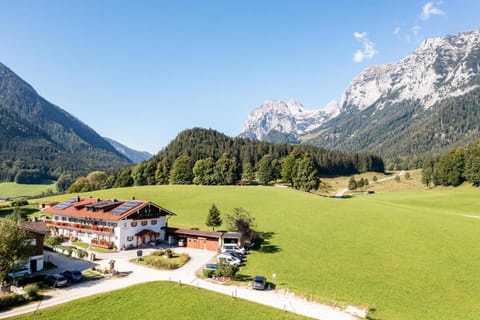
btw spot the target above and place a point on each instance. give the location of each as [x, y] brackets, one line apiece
[285, 117]
[439, 68]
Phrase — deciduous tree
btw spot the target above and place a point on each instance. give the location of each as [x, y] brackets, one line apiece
[14, 249]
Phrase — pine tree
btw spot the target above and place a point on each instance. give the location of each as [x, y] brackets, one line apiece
[214, 218]
[352, 184]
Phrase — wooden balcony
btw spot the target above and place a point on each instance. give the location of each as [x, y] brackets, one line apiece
[101, 243]
[79, 227]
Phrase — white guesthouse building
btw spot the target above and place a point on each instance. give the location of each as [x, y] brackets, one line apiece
[109, 223]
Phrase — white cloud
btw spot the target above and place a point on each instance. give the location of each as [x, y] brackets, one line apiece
[359, 35]
[368, 51]
[396, 32]
[429, 10]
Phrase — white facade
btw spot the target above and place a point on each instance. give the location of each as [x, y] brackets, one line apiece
[124, 233]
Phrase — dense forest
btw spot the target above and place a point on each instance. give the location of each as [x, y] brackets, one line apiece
[453, 168]
[208, 157]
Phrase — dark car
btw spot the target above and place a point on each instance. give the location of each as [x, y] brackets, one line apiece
[211, 266]
[73, 275]
[56, 280]
[259, 283]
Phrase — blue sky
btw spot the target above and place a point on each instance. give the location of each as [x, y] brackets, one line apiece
[142, 71]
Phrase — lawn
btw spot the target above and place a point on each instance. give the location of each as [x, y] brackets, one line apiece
[158, 260]
[410, 254]
[12, 189]
[160, 300]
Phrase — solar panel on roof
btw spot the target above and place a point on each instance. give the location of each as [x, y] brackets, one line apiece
[125, 207]
[65, 204]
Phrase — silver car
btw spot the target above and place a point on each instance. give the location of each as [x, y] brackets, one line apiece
[56, 280]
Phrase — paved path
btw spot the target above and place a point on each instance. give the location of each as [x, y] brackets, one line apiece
[185, 275]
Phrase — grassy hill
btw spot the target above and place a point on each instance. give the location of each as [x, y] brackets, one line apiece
[161, 300]
[411, 254]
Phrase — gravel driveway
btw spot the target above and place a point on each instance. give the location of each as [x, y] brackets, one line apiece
[186, 274]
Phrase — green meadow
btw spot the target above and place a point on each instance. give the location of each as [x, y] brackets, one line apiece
[160, 300]
[410, 255]
[12, 189]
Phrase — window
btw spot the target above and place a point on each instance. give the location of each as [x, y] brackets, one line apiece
[64, 218]
[154, 222]
[125, 225]
[144, 223]
[130, 238]
[32, 242]
[134, 224]
[55, 217]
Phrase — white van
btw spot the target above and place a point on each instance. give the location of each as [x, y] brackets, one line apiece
[232, 247]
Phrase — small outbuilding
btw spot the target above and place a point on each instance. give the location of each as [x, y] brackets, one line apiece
[36, 231]
[206, 240]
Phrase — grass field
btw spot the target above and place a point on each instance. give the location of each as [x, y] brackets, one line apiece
[412, 255]
[161, 300]
[12, 189]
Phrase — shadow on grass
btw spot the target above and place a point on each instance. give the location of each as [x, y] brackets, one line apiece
[263, 244]
[243, 277]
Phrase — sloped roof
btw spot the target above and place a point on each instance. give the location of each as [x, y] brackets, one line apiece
[192, 232]
[96, 208]
[35, 226]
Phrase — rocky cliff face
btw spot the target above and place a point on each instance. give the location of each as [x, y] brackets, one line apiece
[440, 68]
[402, 108]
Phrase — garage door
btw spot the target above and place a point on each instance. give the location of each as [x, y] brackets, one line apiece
[202, 243]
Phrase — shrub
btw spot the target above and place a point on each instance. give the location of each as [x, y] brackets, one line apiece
[168, 253]
[10, 300]
[81, 253]
[158, 253]
[230, 271]
[208, 273]
[31, 291]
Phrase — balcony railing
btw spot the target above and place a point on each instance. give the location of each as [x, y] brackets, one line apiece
[79, 226]
[101, 243]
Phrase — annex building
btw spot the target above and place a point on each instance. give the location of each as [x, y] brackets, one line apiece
[109, 223]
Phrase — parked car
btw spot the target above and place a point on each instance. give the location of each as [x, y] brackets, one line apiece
[56, 280]
[73, 275]
[232, 247]
[19, 272]
[229, 259]
[211, 266]
[259, 283]
[234, 254]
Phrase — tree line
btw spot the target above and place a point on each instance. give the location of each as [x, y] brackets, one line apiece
[207, 157]
[453, 168]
